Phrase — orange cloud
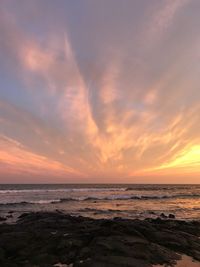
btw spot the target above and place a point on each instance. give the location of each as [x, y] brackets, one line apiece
[16, 159]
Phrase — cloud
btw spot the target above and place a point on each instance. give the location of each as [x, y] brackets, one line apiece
[17, 160]
[104, 109]
[37, 136]
[163, 18]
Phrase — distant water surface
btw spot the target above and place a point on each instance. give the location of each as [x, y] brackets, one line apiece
[105, 200]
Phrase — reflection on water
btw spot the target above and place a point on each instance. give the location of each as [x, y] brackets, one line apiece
[184, 262]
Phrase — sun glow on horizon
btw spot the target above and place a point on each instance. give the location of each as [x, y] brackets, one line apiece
[188, 158]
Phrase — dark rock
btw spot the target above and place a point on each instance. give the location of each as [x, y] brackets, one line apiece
[11, 211]
[162, 215]
[171, 216]
[43, 239]
[2, 219]
[85, 253]
[152, 213]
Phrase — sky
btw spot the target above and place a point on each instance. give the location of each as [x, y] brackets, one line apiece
[99, 91]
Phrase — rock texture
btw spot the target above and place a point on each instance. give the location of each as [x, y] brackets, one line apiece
[46, 239]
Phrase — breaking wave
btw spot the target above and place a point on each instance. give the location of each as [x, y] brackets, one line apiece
[109, 198]
[102, 189]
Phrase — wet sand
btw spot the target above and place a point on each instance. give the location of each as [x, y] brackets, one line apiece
[187, 262]
[184, 262]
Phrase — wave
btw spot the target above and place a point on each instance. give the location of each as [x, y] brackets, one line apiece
[102, 189]
[109, 198]
[161, 187]
[143, 197]
[31, 202]
[123, 188]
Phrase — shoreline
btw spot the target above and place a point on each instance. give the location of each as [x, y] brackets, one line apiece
[44, 239]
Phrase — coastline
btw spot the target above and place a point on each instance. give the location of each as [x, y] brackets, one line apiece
[44, 239]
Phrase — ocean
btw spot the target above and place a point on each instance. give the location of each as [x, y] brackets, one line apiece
[103, 200]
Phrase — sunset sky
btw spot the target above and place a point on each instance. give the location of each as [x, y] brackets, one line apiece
[99, 91]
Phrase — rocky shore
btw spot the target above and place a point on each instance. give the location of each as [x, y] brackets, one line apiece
[45, 239]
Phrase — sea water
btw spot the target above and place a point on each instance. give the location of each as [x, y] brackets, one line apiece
[103, 200]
